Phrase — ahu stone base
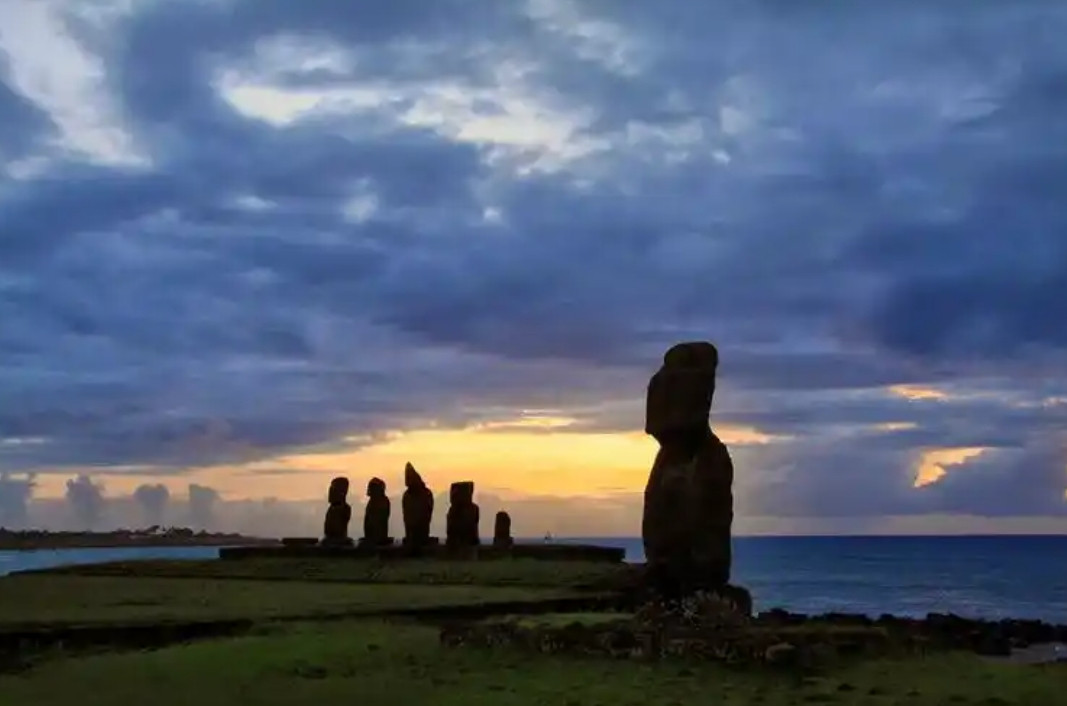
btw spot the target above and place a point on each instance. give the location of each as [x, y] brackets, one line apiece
[304, 548]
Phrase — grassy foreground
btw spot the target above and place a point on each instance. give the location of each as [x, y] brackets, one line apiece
[372, 663]
[40, 599]
[512, 572]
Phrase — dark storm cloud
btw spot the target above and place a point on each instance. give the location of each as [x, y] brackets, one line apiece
[856, 480]
[1004, 482]
[843, 199]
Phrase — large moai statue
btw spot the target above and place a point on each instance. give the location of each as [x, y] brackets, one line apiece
[463, 516]
[417, 506]
[338, 514]
[688, 507]
[376, 514]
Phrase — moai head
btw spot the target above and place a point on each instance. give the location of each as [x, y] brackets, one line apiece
[412, 479]
[681, 391]
[461, 493]
[338, 492]
[376, 488]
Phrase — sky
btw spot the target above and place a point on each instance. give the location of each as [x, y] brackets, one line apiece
[248, 245]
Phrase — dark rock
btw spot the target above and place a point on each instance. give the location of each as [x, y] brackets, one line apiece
[782, 654]
[502, 531]
[299, 541]
[463, 516]
[338, 514]
[781, 617]
[376, 514]
[417, 507]
[739, 597]
[688, 504]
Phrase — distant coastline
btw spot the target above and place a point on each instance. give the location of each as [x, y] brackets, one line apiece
[30, 540]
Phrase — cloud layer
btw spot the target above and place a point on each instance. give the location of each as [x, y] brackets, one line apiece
[231, 229]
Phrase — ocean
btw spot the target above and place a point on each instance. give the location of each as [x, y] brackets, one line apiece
[980, 577]
[977, 577]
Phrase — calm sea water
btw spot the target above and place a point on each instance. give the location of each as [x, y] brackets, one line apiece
[48, 558]
[981, 577]
[988, 577]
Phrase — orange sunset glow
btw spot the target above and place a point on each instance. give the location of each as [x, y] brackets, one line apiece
[518, 456]
[934, 463]
[918, 392]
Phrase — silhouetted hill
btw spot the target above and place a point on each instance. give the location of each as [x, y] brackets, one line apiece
[148, 537]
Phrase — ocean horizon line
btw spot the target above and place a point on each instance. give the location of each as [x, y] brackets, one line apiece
[953, 535]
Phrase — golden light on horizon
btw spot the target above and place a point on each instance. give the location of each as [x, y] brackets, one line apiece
[523, 455]
[918, 392]
[896, 426]
[533, 455]
[529, 421]
[934, 462]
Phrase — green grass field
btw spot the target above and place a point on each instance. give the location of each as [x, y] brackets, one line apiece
[361, 659]
[61, 599]
[513, 572]
[370, 663]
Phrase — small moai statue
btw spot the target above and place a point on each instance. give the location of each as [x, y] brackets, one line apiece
[463, 516]
[502, 531]
[376, 515]
[338, 514]
[417, 506]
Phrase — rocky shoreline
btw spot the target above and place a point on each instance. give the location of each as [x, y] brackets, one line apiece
[110, 542]
[772, 638]
[984, 637]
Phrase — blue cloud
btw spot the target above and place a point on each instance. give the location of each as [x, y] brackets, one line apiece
[425, 211]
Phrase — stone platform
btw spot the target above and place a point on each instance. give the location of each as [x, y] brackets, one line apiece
[549, 552]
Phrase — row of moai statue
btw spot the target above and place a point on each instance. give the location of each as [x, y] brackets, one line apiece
[417, 507]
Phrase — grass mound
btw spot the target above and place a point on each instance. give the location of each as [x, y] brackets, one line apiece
[51, 600]
[374, 663]
[504, 572]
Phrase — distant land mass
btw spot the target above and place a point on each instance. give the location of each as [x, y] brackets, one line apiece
[19, 540]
